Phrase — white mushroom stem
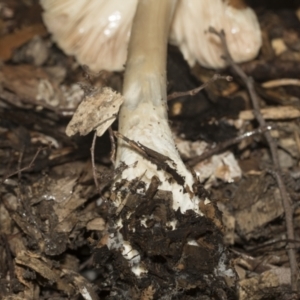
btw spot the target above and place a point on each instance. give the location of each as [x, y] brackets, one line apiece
[143, 116]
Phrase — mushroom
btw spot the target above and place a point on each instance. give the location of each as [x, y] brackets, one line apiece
[97, 32]
[143, 115]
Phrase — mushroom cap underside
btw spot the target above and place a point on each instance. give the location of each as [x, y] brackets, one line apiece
[97, 32]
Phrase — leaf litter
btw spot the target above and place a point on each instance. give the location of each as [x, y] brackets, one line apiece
[54, 221]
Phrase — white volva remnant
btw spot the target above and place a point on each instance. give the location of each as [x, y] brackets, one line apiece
[172, 224]
[193, 242]
[85, 294]
[143, 221]
[133, 257]
[116, 241]
[207, 201]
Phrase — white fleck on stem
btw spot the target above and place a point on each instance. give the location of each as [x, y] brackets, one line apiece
[143, 116]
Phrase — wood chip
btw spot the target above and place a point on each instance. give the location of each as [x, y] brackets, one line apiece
[273, 113]
[278, 46]
[96, 224]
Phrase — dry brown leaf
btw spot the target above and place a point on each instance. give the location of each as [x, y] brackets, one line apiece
[10, 42]
[23, 80]
[264, 285]
[256, 215]
[97, 112]
[44, 269]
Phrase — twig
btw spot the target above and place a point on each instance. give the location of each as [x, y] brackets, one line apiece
[135, 145]
[15, 101]
[272, 113]
[160, 160]
[268, 244]
[286, 202]
[198, 89]
[9, 260]
[113, 145]
[222, 146]
[93, 162]
[31, 164]
[20, 163]
[280, 82]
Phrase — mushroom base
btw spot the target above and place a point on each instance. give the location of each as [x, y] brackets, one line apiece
[182, 255]
[147, 126]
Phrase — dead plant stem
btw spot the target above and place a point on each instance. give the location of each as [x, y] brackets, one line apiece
[223, 146]
[113, 145]
[93, 162]
[195, 91]
[20, 170]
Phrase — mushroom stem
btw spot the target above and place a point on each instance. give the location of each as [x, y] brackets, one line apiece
[143, 116]
[147, 51]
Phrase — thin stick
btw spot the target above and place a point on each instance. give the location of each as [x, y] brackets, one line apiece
[31, 164]
[198, 89]
[20, 162]
[93, 162]
[280, 82]
[160, 160]
[113, 145]
[222, 146]
[286, 202]
[9, 260]
[267, 244]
